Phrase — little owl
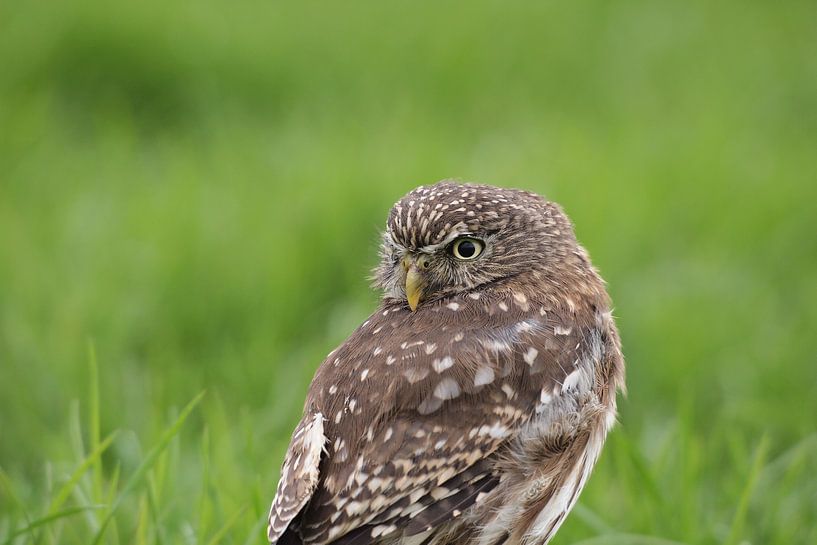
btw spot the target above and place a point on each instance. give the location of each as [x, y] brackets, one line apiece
[470, 408]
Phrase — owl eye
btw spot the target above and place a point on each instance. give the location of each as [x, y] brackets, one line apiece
[467, 248]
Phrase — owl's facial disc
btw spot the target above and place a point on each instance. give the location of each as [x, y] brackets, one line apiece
[425, 269]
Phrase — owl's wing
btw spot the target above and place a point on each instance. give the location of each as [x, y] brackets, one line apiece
[429, 511]
[416, 403]
[299, 474]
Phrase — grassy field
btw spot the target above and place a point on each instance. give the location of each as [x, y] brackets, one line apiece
[190, 196]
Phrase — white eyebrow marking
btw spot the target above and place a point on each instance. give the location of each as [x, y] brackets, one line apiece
[455, 233]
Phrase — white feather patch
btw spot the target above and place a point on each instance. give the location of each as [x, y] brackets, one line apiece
[300, 465]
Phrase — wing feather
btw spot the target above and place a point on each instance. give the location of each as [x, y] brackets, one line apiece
[444, 502]
[299, 475]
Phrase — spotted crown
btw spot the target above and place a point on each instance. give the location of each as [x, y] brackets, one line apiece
[430, 215]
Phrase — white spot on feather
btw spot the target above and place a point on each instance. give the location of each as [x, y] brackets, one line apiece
[495, 431]
[440, 492]
[530, 355]
[559, 330]
[525, 325]
[499, 346]
[383, 529]
[571, 381]
[447, 388]
[441, 365]
[484, 375]
[429, 405]
[415, 374]
[521, 301]
[509, 391]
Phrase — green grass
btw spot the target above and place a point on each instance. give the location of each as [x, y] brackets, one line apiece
[195, 190]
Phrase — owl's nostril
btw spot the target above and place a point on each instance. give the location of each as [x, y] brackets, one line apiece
[423, 262]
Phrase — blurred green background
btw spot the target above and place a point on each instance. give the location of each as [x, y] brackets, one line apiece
[193, 190]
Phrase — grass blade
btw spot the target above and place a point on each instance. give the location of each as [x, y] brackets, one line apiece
[591, 519]
[227, 525]
[205, 484]
[65, 490]
[50, 518]
[739, 520]
[147, 463]
[257, 533]
[93, 424]
[15, 499]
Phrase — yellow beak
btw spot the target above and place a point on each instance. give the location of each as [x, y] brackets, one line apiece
[414, 287]
[414, 280]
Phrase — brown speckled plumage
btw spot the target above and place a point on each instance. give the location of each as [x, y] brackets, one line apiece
[475, 419]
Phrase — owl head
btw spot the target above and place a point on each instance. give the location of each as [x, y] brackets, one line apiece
[449, 238]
